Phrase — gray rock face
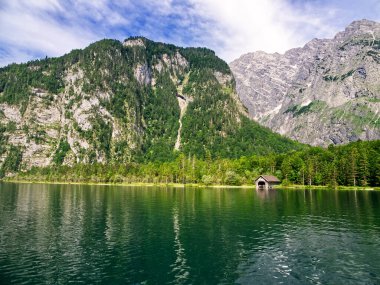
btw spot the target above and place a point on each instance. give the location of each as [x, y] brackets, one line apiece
[105, 108]
[53, 117]
[327, 92]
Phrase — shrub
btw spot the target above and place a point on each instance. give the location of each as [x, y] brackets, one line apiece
[207, 179]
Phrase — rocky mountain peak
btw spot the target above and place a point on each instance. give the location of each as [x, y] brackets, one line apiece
[325, 92]
[361, 28]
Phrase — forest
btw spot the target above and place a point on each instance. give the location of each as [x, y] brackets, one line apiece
[355, 164]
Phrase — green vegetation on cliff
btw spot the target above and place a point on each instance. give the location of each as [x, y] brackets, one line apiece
[118, 104]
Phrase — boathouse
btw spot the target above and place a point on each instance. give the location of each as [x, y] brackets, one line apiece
[266, 182]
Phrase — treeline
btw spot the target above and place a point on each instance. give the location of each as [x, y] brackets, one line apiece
[355, 164]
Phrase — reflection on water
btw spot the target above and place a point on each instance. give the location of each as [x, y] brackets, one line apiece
[266, 194]
[55, 234]
[180, 269]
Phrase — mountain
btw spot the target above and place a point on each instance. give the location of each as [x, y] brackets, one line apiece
[327, 92]
[117, 102]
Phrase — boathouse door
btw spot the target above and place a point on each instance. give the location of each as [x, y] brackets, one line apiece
[261, 184]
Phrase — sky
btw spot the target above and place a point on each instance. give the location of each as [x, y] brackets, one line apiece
[31, 29]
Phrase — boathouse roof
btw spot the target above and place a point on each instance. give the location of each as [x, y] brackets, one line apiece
[269, 178]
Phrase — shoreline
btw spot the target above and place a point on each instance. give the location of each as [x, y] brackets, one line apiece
[134, 184]
[194, 185]
[340, 187]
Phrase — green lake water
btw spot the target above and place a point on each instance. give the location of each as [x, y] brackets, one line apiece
[61, 234]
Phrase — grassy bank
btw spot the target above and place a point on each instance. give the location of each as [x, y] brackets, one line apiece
[134, 184]
[198, 185]
[295, 186]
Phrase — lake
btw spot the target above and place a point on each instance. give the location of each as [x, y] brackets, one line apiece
[83, 234]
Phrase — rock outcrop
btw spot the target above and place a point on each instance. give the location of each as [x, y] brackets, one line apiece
[327, 92]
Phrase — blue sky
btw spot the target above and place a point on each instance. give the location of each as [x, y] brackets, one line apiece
[31, 29]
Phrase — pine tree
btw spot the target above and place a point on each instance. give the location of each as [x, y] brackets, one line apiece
[310, 171]
[286, 168]
[363, 167]
[353, 166]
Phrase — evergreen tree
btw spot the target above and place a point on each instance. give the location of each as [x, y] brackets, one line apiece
[353, 166]
[363, 167]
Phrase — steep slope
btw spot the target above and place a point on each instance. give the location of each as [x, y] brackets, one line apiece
[326, 92]
[118, 102]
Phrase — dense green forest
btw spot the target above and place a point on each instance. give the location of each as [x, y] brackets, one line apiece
[355, 164]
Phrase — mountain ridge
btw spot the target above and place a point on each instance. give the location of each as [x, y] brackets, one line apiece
[325, 92]
[117, 102]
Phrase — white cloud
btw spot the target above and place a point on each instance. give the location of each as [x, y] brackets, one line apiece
[30, 28]
[38, 34]
[47, 5]
[241, 26]
[27, 27]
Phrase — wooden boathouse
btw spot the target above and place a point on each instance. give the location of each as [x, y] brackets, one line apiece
[266, 182]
